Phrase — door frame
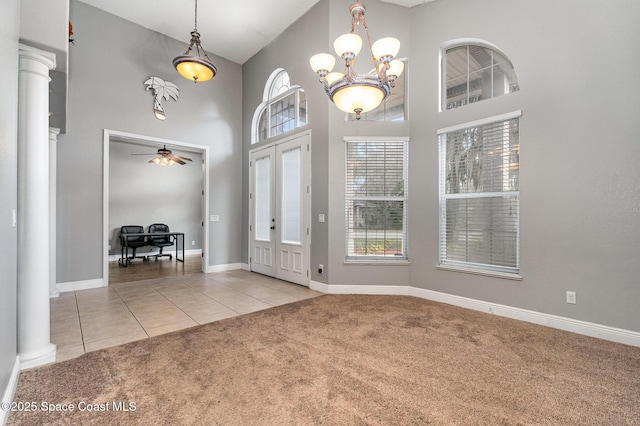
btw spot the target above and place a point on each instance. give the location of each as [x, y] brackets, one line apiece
[307, 134]
[156, 143]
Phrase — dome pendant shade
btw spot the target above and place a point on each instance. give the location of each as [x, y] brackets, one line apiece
[395, 68]
[385, 47]
[348, 43]
[196, 67]
[362, 95]
[192, 67]
[322, 62]
[358, 99]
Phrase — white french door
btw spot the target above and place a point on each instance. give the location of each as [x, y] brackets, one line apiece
[279, 195]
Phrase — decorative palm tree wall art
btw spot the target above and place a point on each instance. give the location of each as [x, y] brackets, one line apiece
[161, 90]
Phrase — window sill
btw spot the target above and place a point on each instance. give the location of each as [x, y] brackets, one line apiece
[381, 262]
[494, 274]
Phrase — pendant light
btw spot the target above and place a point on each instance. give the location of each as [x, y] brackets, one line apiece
[196, 67]
[352, 92]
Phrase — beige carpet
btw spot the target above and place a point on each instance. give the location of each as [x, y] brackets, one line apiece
[336, 360]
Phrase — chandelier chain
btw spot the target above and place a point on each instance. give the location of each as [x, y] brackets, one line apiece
[359, 19]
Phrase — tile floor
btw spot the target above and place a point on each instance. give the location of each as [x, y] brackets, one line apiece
[88, 320]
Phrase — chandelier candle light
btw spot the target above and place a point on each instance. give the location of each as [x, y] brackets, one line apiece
[195, 67]
[352, 92]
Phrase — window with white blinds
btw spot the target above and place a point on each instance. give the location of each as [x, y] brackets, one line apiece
[376, 199]
[479, 195]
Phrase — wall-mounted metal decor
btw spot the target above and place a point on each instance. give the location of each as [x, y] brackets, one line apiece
[161, 90]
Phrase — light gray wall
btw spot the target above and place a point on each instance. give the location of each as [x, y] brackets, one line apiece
[9, 19]
[579, 173]
[142, 193]
[108, 64]
[291, 51]
[45, 25]
[579, 94]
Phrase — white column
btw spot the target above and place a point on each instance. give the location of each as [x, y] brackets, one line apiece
[53, 151]
[34, 340]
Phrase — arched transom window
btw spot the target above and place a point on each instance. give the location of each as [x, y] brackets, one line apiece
[475, 72]
[283, 109]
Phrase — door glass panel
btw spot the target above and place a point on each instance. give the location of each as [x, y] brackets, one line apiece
[263, 199]
[291, 185]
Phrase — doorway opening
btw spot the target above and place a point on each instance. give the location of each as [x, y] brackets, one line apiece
[138, 193]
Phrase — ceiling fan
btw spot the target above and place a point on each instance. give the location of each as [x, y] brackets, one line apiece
[164, 157]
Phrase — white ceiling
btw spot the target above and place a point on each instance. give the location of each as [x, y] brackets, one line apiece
[233, 29]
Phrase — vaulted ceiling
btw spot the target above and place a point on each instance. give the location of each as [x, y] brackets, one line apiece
[235, 30]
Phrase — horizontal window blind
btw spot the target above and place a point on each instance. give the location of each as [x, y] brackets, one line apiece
[376, 198]
[479, 196]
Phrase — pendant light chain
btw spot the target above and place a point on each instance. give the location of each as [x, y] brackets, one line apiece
[195, 20]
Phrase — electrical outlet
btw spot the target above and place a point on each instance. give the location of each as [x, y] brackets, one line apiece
[193, 243]
[320, 268]
[571, 297]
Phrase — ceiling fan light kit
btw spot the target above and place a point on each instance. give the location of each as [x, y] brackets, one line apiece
[164, 157]
[352, 92]
[195, 64]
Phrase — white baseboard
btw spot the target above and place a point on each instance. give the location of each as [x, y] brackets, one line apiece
[81, 285]
[114, 257]
[100, 282]
[246, 267]
[590, 329]
[10, 391]
[42, 356]
[223, 268]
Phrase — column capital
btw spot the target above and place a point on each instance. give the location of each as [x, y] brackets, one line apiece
[42, 56]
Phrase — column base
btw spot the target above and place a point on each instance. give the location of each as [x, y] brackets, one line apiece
[45, 355]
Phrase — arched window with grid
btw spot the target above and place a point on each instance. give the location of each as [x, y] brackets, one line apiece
[283, 108]
[475, 72]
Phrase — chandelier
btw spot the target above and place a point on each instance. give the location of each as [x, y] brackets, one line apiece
[352, 92]
[196, 67]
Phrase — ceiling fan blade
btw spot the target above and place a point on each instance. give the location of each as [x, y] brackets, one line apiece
[176, 159]
[183, 158]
